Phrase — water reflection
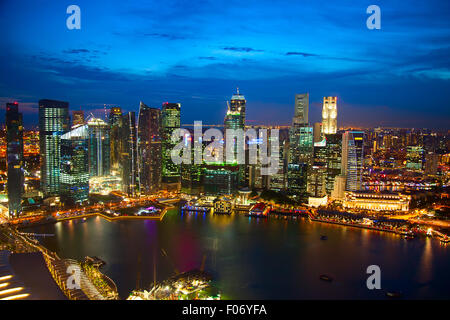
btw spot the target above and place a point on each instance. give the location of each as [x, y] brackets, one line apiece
[255, 258]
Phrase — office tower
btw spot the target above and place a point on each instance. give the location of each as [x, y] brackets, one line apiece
[333, 155]
[192, 174]
[115, 123]
[329, 115]
[317, 173]
[318, 136]
[77, 118]
[14, 158]
[149, 149]
[129, 155]
[221, 179]
[170, 121]
[54, 121]
[352, 159]
[278, 180]
[414, 157]
[75, 165]
[301, 109]
[235, 117]
[99, 148]
[431, 163]
[300, 158]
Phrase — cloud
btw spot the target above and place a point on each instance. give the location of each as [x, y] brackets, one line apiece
[242, 49]
[76, 51]
[304, 54]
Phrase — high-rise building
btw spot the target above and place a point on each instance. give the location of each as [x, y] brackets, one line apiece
[301, 109]
[235, 117]
[415, 157]
[14, 158]
[129, 168]
[353, 159]
[300, 158]
[77, 118]
[54, 121]
[333, 155]
[221, 179]
[149, 149]
[329, 115]
[192, 174]
[170, 121]
[115, 123]
[318, 136]
[99, 148]
[75, 165]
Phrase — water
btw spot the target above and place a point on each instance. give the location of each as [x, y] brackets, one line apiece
[255, 258]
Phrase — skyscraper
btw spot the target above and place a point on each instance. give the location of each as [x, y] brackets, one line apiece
[54, 121]
[14, 158]
[301, 109]
[129, 155]
[329, 115]
[235, 117]
[99, 148]
[333, 155]
[149, 149]
[352, 159]
[170, 121]
[77, 117]
[300, 158]
[115, 123]
[75, 165]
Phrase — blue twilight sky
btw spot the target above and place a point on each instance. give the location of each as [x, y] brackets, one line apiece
[198, 52]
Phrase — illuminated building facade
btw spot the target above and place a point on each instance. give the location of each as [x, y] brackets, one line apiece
[75, 165]
[54, 121]
[221, 179]
[115, 123]
[192, 174]
[235, 117]
[170, 121]
[129, 168]
[415, 158]
[14, 158]
[77, 118]
[329, 115]
[352, 159]
[99, 148]
[149, 149]
[333, 158]
[300, 158]
[376, 201]
[301, 109]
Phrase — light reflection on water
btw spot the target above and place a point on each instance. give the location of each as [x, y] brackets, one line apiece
[256, 258]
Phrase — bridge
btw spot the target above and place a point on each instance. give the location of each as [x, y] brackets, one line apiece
[58, 269]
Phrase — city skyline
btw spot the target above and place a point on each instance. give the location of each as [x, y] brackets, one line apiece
[395, 77]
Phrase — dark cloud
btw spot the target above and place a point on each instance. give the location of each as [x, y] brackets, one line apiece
[304, 54]
[207, 58]
[166, 36]
[241, 49]
[76, 51]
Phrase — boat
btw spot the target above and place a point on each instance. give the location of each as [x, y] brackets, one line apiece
[323, 237]
[325, 277]
[408, 237]
[394, 294]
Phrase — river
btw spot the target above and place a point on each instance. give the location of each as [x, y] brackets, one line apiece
[253, 258]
